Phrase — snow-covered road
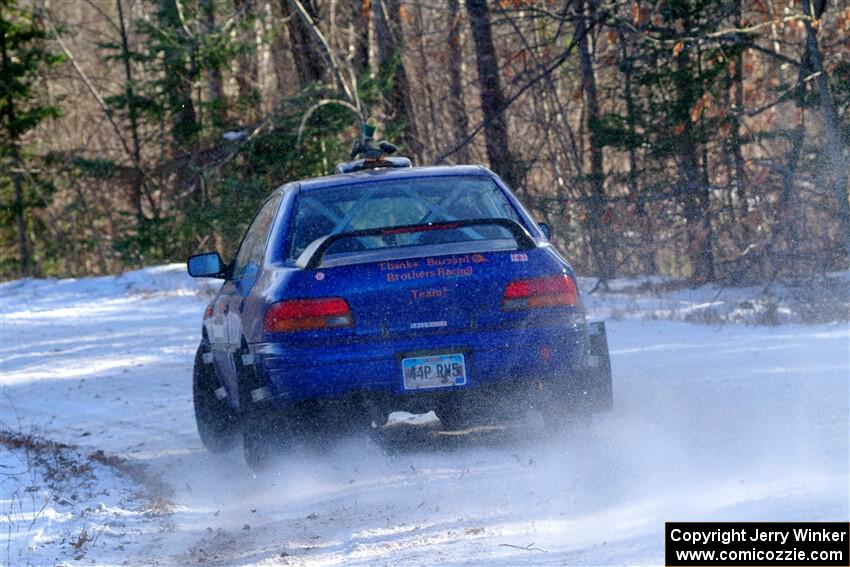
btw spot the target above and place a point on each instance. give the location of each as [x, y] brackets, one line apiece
[710, 423]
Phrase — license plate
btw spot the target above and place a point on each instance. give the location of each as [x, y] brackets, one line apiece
[437, 371]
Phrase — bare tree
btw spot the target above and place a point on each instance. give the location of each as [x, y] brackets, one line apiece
[309, 62]
[215, 83]
[457, 108]
[138, 183]
[647, 248]
[599, 231]
[492, 97]
[390, 47]
[735, 141]
[359, 36]
[815, 9]
[247, 68]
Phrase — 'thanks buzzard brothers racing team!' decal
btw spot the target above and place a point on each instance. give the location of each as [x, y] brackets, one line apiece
[411, 270]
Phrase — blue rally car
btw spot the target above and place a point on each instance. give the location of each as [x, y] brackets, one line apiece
[391, 288]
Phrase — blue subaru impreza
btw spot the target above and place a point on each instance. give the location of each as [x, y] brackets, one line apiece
[391, 288]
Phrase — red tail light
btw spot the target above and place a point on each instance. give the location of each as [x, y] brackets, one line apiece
[308, 314]
[540, 292]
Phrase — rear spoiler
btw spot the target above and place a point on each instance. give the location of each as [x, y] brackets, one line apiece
[312, 256]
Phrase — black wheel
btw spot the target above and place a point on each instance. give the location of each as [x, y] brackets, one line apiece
[216, 420]
[257, 441]
[266, 427]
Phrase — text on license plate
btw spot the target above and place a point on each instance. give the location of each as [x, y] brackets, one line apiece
[434, 371]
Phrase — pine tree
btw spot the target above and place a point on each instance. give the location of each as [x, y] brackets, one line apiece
[492, 96]
[23, 58]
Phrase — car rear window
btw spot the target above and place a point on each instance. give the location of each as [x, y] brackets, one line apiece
[321, 212]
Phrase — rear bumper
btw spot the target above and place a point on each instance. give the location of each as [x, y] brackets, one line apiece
[310, 371]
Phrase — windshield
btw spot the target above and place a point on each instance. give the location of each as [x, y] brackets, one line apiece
[348, 208]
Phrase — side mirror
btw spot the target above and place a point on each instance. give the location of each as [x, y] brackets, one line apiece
[544, 228]
[207, 265]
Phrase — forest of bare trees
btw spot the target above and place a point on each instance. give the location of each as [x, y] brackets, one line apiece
[705, 139]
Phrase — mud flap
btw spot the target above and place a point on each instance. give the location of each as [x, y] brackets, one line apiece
[598, 374]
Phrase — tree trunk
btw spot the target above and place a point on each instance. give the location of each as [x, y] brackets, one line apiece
[309, 61]
[215, 83]
[390, 43]
[282, 56]
[94, 230]
[735, 142]
[691, 187]
[178, 79]
[787, 198]
[24, 260]
[457, 108]
[360, 36]
[247, 70]
[429, 132]
[599, 230]
[832, 122]
[492, 97]
[180, 71]
[647, 244]
[138, 183]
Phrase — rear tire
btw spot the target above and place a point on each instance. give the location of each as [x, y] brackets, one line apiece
[266, 428]
[216, 420]
[257, 443]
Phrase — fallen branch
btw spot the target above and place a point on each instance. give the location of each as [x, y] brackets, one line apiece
[529, 547]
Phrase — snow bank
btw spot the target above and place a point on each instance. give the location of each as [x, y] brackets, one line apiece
[822, 299]
[58, 504]
[170, 280]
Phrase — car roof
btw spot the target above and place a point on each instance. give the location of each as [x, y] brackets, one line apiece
[389, 173]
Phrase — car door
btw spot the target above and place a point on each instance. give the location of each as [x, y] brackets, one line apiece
[246, 270]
